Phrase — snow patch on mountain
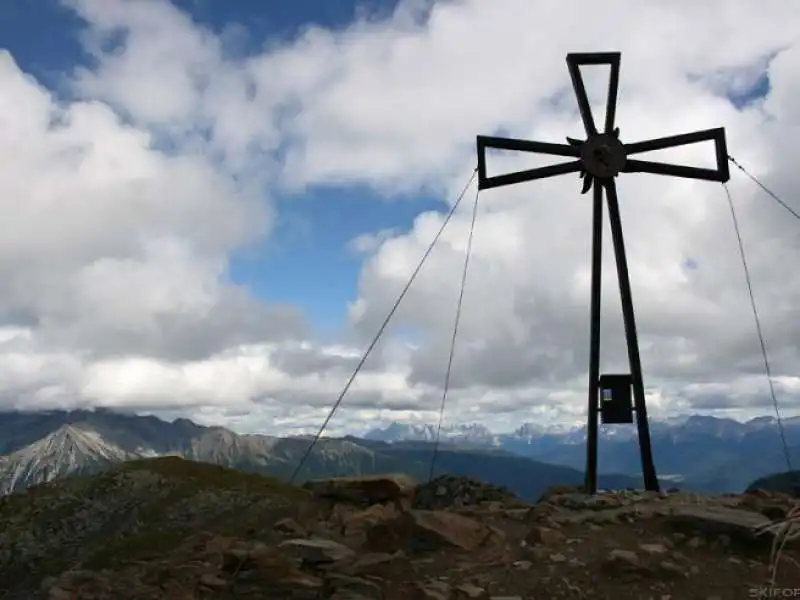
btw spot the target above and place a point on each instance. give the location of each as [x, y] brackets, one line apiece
[410, 432]
[573, 432]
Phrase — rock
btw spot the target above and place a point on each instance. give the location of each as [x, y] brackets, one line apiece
[574, 562]
[431, 590]
[622, 561]
[559, 490]
[356, 524]
[423, 531]
[268, 566]
[495, 536]
[576, 501]
[517, 514]
[219, 544]
[467, 591]
[722, 541]
[349, 595]
[740, 525]
[653, 548]
[360, 586]
[668, 567]
[381, 564]
[175, 591]
[695, 543]
[539, 553]
[447, 491]
[212, 581]
[57, 593]
[541, 512]
[774, 512]
[237, 558]
[363, 490]
[316, 551]
[544, 536]
[289, 526]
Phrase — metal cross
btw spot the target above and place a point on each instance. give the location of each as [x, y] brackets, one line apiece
[599, 159]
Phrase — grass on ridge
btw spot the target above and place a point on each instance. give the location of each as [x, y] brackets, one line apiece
[138, 510]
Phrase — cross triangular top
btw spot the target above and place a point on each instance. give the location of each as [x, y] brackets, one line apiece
[601, 155]
[599, 159]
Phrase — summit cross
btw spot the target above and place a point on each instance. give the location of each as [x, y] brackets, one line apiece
[599, 159]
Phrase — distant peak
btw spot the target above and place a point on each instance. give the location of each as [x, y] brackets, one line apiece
[81, 435]
[71, 430]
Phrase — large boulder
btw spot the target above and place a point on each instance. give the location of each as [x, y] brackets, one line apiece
[317, 551]
[364, 490]
[739, 525]
[419, 531]
[560, 490]
[448, 491]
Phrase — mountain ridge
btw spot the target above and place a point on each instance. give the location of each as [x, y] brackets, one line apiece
[705, 453]
[701, 453]
[82, 443]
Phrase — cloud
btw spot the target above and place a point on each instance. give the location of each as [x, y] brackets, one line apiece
[114, 251]
[125, 202]
[367, 243]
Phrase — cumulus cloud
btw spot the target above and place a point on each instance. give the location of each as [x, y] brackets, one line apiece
[125, 202]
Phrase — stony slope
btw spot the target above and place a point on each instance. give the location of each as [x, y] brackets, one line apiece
[138, 509]
[168, 528]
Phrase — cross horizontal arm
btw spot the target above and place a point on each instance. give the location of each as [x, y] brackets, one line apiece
[499, 143]
[717, 135]
[485, 182]
[657, 168]
[526, 146]
[594, 58]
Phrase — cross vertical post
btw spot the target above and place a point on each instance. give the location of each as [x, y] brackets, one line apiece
[632, 341]
[599, 159]
[594, 338]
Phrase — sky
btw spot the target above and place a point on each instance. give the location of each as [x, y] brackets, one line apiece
[211, 207]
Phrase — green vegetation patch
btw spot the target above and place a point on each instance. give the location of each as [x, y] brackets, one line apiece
[141, 510]
[208, 476]
[142, 546]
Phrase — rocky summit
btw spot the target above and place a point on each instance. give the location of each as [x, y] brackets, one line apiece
[172, 529]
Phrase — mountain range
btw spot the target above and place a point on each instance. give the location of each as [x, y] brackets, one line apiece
[40, 447]
[703, 453]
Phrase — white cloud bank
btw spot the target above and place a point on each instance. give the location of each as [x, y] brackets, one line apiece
[122, 206]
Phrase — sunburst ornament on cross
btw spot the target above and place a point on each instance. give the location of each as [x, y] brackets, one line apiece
[599, 159]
